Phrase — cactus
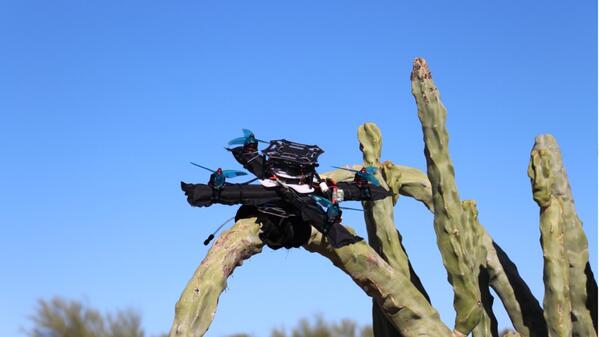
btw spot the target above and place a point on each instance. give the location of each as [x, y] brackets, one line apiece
[522, 307]
[379, 215]
[487, 326]
[473, 260]
[448, 224]
[563, 242]
[379, 219]
[404, 306]
[407, 181]
[198, 301]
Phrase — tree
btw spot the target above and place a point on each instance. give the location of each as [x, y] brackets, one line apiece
[473, 261]
[320, 328]
[62, 318]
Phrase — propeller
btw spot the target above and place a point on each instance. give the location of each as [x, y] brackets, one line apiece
[248, 138]
[226, 173]
[367, 173]
[326, 203]
[323, 202]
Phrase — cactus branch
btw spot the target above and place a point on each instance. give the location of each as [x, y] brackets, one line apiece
[488, 326]
[379, 219]
[379, 215]
[447, 205]
[198, 302]
[404, 306]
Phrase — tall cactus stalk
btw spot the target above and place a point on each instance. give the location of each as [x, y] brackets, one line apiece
[563, 242]
[379, 219]
[447, 204]
[488, 325]
[379, 215]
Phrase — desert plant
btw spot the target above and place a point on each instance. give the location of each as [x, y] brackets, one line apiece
[63, 318]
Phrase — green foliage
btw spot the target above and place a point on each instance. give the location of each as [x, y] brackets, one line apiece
[320, 328]
[63, 318]
[69, 318]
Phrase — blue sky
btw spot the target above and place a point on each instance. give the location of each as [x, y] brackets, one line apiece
[102, 106]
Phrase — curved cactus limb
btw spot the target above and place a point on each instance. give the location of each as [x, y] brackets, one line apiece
[404, 306]
[407, 181]
[198, 302]
[381, 326]
[563, 242]
[447, 206]
[339, 175]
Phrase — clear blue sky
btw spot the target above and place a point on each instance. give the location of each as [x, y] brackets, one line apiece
[102, 106]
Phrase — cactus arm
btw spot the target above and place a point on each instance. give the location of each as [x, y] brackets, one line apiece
[404, 306]
[338, 175]
[557, 304]
[379, 219]
[446, 201]
[407, 181]
[488, 325]
[379, 215]
[198, 302]
[563, 242]
[576, 248]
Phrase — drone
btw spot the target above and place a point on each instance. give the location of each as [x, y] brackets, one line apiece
[290, 196]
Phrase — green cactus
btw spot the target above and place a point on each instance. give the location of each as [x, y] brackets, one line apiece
[563, 242]
[379, 219]
[404, 306]
[447, 204]
[198, 302]
[522, 307]
[474, 234]
[379, 215]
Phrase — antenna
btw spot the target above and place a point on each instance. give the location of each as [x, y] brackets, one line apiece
[212, 236]
[206, 168]
[353, 209]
